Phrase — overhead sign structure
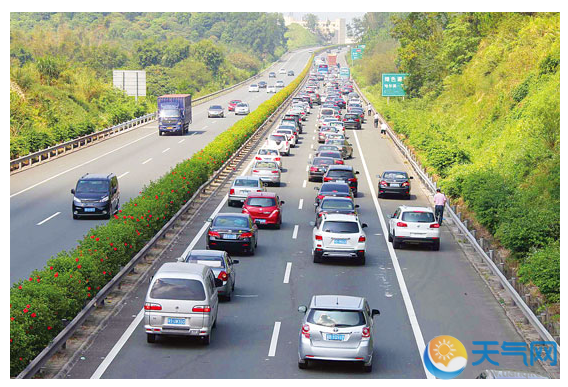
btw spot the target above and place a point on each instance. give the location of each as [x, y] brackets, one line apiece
[393, 85]
[356, 53]
[133, 82]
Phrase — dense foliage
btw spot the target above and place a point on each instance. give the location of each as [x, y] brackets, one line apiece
[59, 290]
[61, 65]
[298, 36]
[486, 121]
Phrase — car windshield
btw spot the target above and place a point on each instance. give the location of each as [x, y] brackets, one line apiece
[266, 152]
[242, 105]
[253, 85]
[231, 221]
[328, 147]
[418, 217]
[274, 137]
[343, 174]
[169, 113]
[340, 227]
[323, 161]
[235, 101]
[261, 202]
[395, 175]
[207, 260]
[336, 318]
[266, 164]
[216, 107]
[246, 183]
[337, 204]
[92, 186]
[177, 289]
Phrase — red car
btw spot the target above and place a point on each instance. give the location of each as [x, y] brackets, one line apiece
[232, 104]
[264, 208]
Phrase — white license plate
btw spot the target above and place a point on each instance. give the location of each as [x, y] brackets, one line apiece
[176, 321]
[340, 241]
[417, 234]
[229, 236]
[89, 210]
[395, 185]
[245, 191]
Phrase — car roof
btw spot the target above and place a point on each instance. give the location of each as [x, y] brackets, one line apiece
[415, 208]
[340, 167]
[262, 195]
[96, 176]
[207, 253]
[337, 302]
[247, 177]
[341, 217]
[182, 269]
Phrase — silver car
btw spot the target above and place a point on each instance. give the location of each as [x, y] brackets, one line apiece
[338, 328]
[242, 108]
[242, 186]
[216, 111]
[267, 171]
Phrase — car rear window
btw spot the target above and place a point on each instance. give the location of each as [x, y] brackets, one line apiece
[261, 202]
[177, 289]
[334, 187]
[340, 227]
[246, 183]
[351, 116]
[395, 175]
[332, 154]
[336, 318]
[322, 148]
[335, 204]
[275, 137]
[207, 260]
[418, 217]
[230, 221]
[266, 164]
[340, 173]
[323, 161]
[327, 112]
[268, 152]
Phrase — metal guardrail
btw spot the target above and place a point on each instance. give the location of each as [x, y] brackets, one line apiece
[35, 365]
[517, 299]
[50, 153]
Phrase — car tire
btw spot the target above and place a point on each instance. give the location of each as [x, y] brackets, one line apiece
[206, 340]
[390, 237]
[395, 243]
[252, 249]
[303, 365]
[362, 260]
[317, 257]
[150, 338]
[278, 184]
[160, 132]
[228, 299]
[380, 195]
[368, 368]
[436, 246]
[75, 216]
[355, 193]
[407, 197]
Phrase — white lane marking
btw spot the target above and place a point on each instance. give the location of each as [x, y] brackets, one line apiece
[287, 273]
[401, 283]
[310, 156]
[205, 127]
[307, 168]
[165, 150]
[304, 184]
[311, 146]
[118, 346]
[295, 233]
[274, 341]
[124, 174]
[212, 122]
[147, 161]
[46, 219]
[80, 165]
[301, 203]
[182, 140]
[313, 137]
[246, 295]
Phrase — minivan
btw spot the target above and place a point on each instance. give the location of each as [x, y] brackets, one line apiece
[96, 195]
[182, 300]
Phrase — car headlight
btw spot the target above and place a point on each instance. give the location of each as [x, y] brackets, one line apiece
[76, 199]
[105, 199]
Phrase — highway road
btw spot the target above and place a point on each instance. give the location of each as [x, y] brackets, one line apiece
[41, 223]
[420, 293]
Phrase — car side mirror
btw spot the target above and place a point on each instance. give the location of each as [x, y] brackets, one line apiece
[181, 259]
[356, 206]
[282, 202]
[375, 312]
[235, 261]
[218, 282]
[411, 177]
[364, 225]
[73, 191]
[302, 309]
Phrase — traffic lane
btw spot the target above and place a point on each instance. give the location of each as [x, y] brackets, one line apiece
[464, 307]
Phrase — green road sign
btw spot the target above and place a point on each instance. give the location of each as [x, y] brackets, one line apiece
[344, 73]
[356, 53]
[393, 85]
[362, 46]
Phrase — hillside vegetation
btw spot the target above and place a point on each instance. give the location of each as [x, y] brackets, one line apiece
[61, 65]
[484, 116]
[299, 36]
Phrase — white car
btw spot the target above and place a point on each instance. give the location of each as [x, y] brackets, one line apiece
[339, 235]
[242, 186]
[278, 141]
[270, 89]
[339, 125]
[254, 88]
[282, 71]
[279, 84]
[414, 225]
[290, 135]
[242, 108]
[269, 154]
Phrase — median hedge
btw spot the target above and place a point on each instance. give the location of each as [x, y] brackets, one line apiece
[69, 280]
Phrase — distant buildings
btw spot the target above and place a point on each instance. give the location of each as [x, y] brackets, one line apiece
[335, 28]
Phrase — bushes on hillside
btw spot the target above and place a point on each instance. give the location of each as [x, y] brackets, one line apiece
[542, 268]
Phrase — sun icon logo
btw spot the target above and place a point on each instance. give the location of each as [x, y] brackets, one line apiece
[445, 357]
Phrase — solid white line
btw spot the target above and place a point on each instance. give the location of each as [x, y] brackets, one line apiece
[307, 168]
[124, 174]
[46, 219]
[182, 140]
[147, 161]
[165, 150]
[118, 346]
[310, 156]
[401, 283]
[274, 341]
[301, 203]
[80, 165]
[287, 273]
[295, 233]
[304, 184]
[312, 146]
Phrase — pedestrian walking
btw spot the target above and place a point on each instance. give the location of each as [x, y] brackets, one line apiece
[384, 129]
[439, 203]
[369, 109]
[376, 119]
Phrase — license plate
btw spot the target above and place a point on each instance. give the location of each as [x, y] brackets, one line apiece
[89, 210]
[335, 337]
[417, 234]
[340, 241]
[169, 127]
[260, 220]
[395, 185]
[229, 236]
[246, 191]
[176, 321]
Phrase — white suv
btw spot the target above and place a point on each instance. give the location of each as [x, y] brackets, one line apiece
[339, 235]
[278, 141]
[414, 225]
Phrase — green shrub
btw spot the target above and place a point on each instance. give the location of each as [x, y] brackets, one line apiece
[542, 268]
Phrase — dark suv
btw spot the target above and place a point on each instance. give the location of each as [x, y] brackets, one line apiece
[342, 174]
[352, 121]
[96, 194]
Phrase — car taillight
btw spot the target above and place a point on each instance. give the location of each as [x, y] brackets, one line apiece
[232, 191]
[214, 234]
[319, 238]
[223, 276]
[320, 197]
[339, 162]
[151, 306]
[255, 170]
[306, 331]
[405, 184]
[277, 159]
[245, 235]
[258, 158]
[401, 224]
[353, 180]
[384, 183]
[366, 332]
[201, 309]
[434, 225]
[274, 171]
[313, 169]
[362, 238]
[327, 179]
[357, 119]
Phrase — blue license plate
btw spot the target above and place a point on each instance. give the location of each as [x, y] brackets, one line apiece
[260, 220]
[89, 210]
[176, 321]
[340, 241]
[335, 337]
[229, 236]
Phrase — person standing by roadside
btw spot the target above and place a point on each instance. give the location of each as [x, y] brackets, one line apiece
[439, 203]
[384, 129]
[369, 109]
[376, 119]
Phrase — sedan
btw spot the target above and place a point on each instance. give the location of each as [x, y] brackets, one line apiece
[242, 186]
[279, 84]
[262, 84]
[269, 154]
[242, 108]
[216, 111]
[232, 104]
[346, 148]
[333, 189]
[254, 88]
[267, 172]
[265, 208]
[272, 74]
[335, 155]
[323, 131]
[230, 231]
[282, 71]
[270, 89]
[394, 182]
[220, 263]
[290, 73]
[335, 205]
[318, 167]
[343, 174]
[352, 121]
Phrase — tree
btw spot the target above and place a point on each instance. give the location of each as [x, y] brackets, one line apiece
[357, 29]
[311, 22]
[209, 54]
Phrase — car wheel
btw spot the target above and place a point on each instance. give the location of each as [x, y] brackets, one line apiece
[303, 364]
[160, 132]
[215, 322]
[407, 197]
[355, 194]
[206, 340]
[317, 257]
[436, 245]
[368, 367]
[150, 338]
[395, 243]
[362, 260]
[390, 237]
[227, 298]
[75, 216]
[278, 184]
[380, 195]
[251, 250]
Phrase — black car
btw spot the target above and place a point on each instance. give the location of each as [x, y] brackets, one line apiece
[262, 84]
[272, 74]
[96, 195]
[318, 167]
[343, 174]
[290, 73]
[335, 205]
[352, 121]
[333, 189]
[231, 231]
[394, 182]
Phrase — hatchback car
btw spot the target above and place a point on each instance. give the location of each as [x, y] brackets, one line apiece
[222, 265]
[414, 225]
[327, 147]
[95, 195]
[215, 111]
[254, 88]
[339, 235]
[279, 84]
[290, 135]
[335, 205]
[265, 208]
[352, 121]
[242, 108]
[269, 154]
[394, 182]
[230, 232]
[242, 186]
[282, 71]
[337, 328]
[232, 104]
[342, 174]
[267, 171]
[318, 167]
[333, 189]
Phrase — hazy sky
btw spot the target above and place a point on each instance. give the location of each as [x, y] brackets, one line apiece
[327, 15]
